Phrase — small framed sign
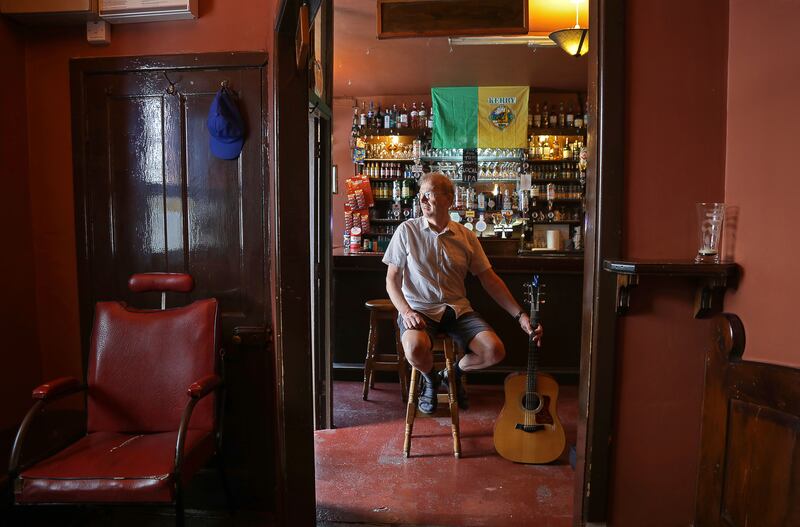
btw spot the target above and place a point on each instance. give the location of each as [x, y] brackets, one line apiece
[469, 166]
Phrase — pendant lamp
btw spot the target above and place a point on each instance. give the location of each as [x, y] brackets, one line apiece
[575, 40]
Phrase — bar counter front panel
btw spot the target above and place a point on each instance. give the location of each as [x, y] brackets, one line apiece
[358, 278]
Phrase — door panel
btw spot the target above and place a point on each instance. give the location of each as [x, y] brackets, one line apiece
[151, 197]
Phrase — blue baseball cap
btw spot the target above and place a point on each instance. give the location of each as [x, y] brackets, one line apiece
[225, 126]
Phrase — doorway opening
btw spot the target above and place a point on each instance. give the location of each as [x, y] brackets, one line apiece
[604, 143]
[380, 89]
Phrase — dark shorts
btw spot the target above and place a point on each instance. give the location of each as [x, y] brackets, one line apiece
[463, 329]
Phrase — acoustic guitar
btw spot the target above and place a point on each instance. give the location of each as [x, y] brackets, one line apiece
[528, 429]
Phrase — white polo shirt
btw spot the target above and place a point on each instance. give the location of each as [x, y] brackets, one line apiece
[435, 264]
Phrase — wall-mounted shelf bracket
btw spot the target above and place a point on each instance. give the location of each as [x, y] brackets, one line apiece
[712, 280]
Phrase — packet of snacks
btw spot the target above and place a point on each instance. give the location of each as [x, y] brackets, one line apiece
[361, 190]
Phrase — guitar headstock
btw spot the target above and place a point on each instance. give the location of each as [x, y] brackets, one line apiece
[534, 295]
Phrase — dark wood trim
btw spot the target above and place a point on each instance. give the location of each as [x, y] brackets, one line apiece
[604, 207]
[751, 423]
[291, 272]
[424, 18]
[79, 70]
[672, 268]
[501, 264]
[186, 61]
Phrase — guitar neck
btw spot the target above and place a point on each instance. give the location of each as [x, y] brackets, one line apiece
[532, 353]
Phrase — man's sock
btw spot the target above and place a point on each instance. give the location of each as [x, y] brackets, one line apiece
[430, 377]
[459, 371]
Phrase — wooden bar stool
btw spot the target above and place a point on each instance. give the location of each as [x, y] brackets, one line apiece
[383, 310]
[443, 349]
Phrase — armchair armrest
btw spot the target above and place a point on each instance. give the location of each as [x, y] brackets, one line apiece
[197, 390]
[204, 386]
[44, 394]
[57, 388]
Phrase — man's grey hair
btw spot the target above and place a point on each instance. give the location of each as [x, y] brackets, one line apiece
[440, 182]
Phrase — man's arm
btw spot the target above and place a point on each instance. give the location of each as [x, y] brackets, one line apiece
[394, 285]
[497, 289]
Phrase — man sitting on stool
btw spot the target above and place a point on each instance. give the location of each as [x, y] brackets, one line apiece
[428, 260]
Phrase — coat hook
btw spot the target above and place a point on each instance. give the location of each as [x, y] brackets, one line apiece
[171, 87]
[224, 85]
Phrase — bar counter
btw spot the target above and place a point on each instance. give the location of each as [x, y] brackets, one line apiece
[361, 277]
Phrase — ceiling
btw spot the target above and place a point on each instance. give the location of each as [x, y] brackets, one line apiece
[364, 65]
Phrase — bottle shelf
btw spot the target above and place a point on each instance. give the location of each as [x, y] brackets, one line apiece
[480, 158]
[387, 160]
[556, 180]
[387, 132]
[390, 179]
[580, 132]
[552, 161]
[391, 221]
[392, 199]
[559, 200]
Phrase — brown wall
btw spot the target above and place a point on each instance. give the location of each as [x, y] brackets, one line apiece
[220, 27]
[761, 175]
[675, 156]
[21, 362]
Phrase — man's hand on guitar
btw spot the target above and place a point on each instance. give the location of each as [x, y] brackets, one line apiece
[537, 335]
[413, 320]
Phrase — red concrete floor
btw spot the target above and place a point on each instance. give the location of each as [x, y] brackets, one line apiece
[362, 476]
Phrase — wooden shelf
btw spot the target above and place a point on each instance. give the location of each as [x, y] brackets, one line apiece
[387, 132]
[377, 159]
[713, 280]
[459, 159]
[379, 221]
[557, 131]
[388, 179]
[552, 161]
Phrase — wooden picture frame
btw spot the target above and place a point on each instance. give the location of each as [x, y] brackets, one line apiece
[302, 37]
[445, 18]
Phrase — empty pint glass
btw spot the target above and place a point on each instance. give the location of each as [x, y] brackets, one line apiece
[710, 219]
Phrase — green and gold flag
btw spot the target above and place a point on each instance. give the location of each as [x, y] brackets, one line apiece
[480, 117]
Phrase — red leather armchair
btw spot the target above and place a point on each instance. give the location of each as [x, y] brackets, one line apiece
[151, 393]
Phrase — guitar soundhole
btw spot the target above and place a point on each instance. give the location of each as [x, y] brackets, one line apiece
[532, 402]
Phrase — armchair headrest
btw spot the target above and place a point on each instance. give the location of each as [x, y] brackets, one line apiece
[162, 282]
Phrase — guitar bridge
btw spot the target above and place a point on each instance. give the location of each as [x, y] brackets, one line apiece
[529, 428]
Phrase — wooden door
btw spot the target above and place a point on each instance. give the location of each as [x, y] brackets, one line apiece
[150, 196]
[319, 126]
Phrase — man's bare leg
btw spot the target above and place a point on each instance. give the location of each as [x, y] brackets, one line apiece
[417, 347]
[487, 350]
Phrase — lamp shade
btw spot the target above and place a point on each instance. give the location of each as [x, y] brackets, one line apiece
[574, 41]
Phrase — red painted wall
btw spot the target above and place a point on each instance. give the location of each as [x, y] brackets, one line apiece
[21, 369]
[761, 174]
[247, 26]
[675, 156]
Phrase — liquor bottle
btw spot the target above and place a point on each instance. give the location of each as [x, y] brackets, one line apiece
[403, 120]
[362, 118]
[545, 116]
[422, 118]
[431, 120]
[387, 118]
[561, 115]
[546, 149]
[506, 200]
[370, 114]
[414, 116]
[555, 150]
[393, 120]
[379, 117]
[570, 117]
[537, 117]
[567, 152]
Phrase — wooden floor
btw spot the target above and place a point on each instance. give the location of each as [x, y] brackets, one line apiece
[362, 476]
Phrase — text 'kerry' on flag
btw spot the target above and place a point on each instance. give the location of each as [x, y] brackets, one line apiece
[480, 117]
